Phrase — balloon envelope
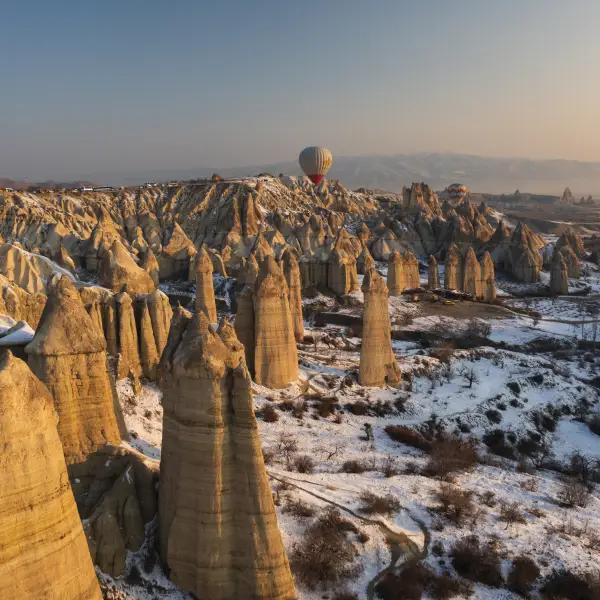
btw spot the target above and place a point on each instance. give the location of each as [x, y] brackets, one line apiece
[315, 162]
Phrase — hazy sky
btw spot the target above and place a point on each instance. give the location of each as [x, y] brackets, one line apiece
[96, 86]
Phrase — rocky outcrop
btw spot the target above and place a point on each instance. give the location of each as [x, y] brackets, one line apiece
[291, 271]
[342, 277]
[559, 275]
[275, 354]
[377, 361]
[433, 274]
[396, 277]
[115, 491]
[218, 527]
[411, 270]
[571, 260]
[523, 258]
[572, 240]
[30, 271]
[118, 269]
[150, 265]
[68, 354]
[43, 550]
[453, 272]
[365, 261]
[149, 355]
[174, 260]
[129, 357]
[244, 324]
[19, 304]
[472, 282]
[205, 294]
[160, 315]
[488, 278]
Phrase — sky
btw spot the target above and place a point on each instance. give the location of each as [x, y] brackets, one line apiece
[93, 87]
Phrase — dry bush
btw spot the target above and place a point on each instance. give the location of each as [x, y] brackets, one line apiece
[476, 562]
[304, 463]
[269, 414]
[408, 436]
[298, 509]
[573, 493]
[451, 455]
[287, 446]
[417, 579]
[359, 408]
[522, 575]
[326, 407]
[325, 555]
[488, 498]
[529, 485]
[389, 467]
[444, 351]
[455, 504]
[356, 466]
[510, 513]
[382, 505]
[565, 584]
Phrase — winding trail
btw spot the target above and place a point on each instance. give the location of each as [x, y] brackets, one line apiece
[401, 545]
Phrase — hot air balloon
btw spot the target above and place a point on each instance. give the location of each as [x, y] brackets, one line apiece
[315, 162]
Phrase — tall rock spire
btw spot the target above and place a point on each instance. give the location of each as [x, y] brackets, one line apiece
[472, 275]
[377, 361]
[205, 294]
[396, 277]
[488, 278]
[292, 276]
[218, 527]
[453, 272]
[275, 354]
[433, 274]
[68, 354]
[43, 550]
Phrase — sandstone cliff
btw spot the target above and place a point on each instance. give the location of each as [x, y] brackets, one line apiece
[43, 550]
[218, 528]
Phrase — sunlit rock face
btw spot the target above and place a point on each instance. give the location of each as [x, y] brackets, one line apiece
[218, 529]
[377, 361]
[68, 354]
[43, 549]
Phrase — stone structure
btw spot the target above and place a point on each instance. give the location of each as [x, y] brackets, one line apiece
[205, 294]
[118, 269]
[488, 278]
[377, 361]
[559, 275]
[433, 274]
[472, 275]
[218, 527]
[292, 275]
[68, 354]
[275, 354]
[396, 277]
[43, 550]
[453, 273]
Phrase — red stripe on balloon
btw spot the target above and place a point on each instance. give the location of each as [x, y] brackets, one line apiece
[317, 178]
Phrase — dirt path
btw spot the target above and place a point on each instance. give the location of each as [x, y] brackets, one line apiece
[401, 545]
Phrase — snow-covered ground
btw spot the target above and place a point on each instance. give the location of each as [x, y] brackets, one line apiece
[468, 393]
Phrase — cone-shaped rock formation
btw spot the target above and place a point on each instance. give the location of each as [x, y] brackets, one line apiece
[472, 274]
[43, 550]
[275, 354]
[205, 294]
[488, 278]
[68, 354]
[292, 276]
[377, 361]
[433, 274]
[218, 527]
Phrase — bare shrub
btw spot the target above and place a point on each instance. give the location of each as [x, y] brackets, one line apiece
[358, 408]
[573, 493]
[511, 514]
[522, 575]
[389, 467]
[269, 414]
[374, 504]
[478, 328]
[287, 446]
[304, 463]
[566, 584]
[355, 466]
[455, 504]
[298, 509]
[417, 579]
[477, 562]
[450, 455]
[408, 436]
[529, 485]
[488, 498]
[444, 351]
[325, 555]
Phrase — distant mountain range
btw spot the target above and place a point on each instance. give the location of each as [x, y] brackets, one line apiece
[480, 173]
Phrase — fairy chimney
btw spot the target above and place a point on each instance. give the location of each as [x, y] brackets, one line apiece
[433, 275]
[43, 549]
[396, 276]
[488, 278]
[218, 527]
[472, 274]
[377, 361]
[205, 294]
[68, 354]
[292, 276]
